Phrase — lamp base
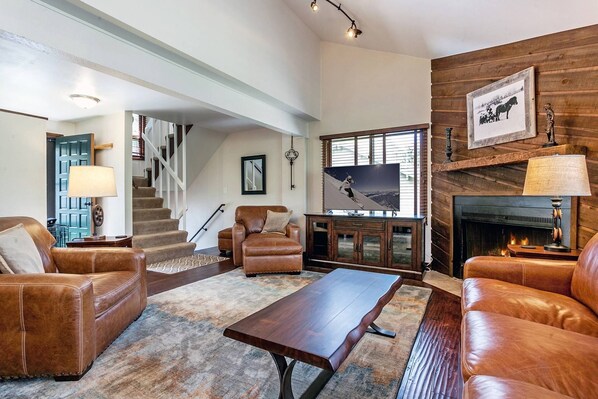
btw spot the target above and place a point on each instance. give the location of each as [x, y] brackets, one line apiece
[556, 248]
[94, 238]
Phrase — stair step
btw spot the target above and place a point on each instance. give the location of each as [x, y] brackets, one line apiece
[140, 181]
[155, 226]
[171, 251]
[144, 192]
[159, 239]
[148, 214]
[140, 203]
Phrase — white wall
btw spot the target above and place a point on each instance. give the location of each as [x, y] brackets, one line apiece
[365, 90]
[23, 166]
[261, 43]
[220, 181]
[116, 129]
[60, 127]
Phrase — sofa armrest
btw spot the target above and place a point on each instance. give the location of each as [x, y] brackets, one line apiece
[47, 324]
[239, 234]
[98, 260]
[547, 275]
[293, 232]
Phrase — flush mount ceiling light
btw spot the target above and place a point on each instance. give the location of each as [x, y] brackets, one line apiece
[83, 101]
[353, 32]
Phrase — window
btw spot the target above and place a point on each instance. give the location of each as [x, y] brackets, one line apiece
[406, 146]
[139, 122]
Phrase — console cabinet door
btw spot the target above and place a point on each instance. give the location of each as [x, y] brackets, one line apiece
[319, 238]
[371, 248]
[402, 245]
[345, 245]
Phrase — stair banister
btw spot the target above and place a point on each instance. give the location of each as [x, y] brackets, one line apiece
[203, 227]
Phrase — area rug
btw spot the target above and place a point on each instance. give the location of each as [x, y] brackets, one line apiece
[172, 266]
[176, 348]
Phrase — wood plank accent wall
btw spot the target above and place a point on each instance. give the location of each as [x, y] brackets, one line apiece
[566, 68]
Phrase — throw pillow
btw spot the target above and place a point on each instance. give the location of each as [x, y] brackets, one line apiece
[276, 222]
[4, 269]
[19, 251]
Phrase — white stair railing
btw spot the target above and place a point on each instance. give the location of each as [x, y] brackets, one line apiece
[171, 183]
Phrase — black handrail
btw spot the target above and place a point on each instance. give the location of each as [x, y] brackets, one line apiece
[208, 221]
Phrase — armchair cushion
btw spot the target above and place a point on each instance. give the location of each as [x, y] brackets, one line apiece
[483, 386]
[18, 251]
[276, 222]
[270, 244]
[528, 304]
[111, 287]
[584, 284]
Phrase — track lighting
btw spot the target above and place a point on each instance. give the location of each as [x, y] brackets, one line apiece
[353, 32]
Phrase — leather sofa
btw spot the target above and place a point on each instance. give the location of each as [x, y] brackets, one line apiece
[58, 322]
[261, 252]
[225, 240]
[530, 327]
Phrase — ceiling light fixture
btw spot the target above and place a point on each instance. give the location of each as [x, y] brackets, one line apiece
[83, 101]
[353, 32]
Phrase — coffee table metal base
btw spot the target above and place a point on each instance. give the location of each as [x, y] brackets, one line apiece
[285, 371]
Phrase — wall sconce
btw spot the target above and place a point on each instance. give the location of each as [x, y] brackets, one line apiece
[292, 155]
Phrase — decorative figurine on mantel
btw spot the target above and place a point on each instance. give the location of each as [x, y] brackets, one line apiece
[449, 148]
[549, 126]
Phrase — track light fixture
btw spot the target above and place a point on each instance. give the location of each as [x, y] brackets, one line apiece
[353, 32]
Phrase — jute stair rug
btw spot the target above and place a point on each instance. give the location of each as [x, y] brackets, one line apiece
[176, 348]
[185, 263]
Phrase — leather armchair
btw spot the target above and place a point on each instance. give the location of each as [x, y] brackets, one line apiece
[58, 322]
[530, 326]
[261, 252]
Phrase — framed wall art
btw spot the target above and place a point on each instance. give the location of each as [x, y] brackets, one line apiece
[253, 174]
[502, 111]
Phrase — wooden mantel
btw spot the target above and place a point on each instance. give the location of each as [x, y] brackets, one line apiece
[506, 159]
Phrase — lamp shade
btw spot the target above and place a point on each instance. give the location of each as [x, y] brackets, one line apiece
[557, 175]
[91, 181]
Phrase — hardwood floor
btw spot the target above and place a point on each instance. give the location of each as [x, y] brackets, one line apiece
[433, 370]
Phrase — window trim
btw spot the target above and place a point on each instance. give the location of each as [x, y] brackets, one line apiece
[142, 125]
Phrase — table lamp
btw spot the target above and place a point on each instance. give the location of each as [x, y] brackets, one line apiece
[93, 182]
[557, 176]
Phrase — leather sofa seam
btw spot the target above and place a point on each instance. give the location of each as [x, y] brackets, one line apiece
[23, 332]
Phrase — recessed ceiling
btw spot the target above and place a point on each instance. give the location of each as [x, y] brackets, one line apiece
[433, 29]
[38, 83]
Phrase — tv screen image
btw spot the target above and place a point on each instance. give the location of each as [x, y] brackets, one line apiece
[365, 187]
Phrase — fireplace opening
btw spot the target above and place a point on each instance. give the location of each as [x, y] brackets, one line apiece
[485, 225]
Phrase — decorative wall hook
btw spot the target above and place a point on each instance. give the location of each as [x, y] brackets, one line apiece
[291, 155]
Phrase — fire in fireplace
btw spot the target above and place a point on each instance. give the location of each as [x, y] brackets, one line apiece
[485, 225]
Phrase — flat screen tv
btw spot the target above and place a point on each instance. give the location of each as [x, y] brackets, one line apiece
[366, 187]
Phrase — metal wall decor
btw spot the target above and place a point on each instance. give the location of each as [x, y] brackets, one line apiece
[449, 148]
[549, 126]
[291, 155]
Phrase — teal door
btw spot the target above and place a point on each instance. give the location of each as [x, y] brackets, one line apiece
[73, 212]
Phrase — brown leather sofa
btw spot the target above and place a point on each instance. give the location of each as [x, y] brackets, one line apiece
[265, 252]
[530, 327]
[58, 322]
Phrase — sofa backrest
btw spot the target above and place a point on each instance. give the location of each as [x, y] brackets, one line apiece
[584, 285]
[254, 217]
[41, 237]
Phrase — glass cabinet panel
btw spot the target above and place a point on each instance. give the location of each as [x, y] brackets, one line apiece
[371, 251]
[401, 245]
[345, 244]
[320, 238]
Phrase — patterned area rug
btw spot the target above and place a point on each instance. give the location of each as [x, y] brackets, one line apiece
[176, 348]
[185, 263]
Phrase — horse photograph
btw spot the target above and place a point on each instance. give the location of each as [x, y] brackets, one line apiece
[501, 109]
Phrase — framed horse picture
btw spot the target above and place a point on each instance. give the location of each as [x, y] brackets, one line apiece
[503, 111]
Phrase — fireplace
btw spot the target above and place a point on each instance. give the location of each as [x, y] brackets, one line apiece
[485, 225]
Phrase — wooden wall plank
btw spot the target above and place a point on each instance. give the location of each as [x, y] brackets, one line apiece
[566, 66]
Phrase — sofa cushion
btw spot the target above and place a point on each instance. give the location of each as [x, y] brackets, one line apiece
[529, 304]
[483, 386]
[41, 237]
[19, 252]
[276, 222]
[270, 244]
[4, 269]
[111, 287]
[501, 346]
[584, 284]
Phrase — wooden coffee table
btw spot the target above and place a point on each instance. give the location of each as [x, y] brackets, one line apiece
[319, 324]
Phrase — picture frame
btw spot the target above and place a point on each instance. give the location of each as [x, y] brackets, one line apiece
[502, 111]
[253, 175]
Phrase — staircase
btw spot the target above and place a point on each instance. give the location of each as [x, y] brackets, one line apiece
[153, 228]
